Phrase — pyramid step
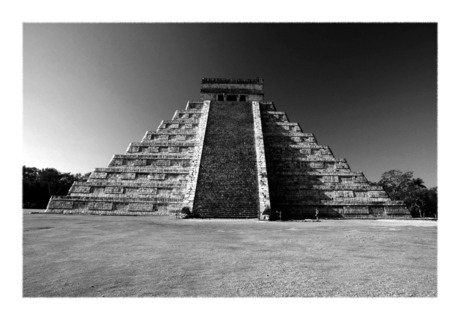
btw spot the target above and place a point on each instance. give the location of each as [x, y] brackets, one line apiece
[211, 156]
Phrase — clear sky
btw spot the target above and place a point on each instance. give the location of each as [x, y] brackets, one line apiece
[367, 90]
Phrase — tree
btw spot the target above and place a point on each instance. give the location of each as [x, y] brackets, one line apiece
[432, 202]
[414, 196]
[396, 183]
[30, 175]
[426, 202]
[420, 201]
[39, 184]
[49, 179]
[31, 191]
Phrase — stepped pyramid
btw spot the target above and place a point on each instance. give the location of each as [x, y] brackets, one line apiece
[228, 155]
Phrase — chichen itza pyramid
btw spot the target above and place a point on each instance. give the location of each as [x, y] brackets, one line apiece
[229, 155]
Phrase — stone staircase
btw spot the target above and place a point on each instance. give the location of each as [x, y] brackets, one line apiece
[229, 155]
[227, 181]
[151, 178]
[304, 175]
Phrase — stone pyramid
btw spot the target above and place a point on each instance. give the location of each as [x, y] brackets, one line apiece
[229, 155]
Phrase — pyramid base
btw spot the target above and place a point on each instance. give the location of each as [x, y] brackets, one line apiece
[396, 211]
[109, 207]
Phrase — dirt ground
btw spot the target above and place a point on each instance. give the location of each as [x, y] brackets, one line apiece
[101, 256]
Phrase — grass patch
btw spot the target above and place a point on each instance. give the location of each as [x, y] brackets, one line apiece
[94, 256]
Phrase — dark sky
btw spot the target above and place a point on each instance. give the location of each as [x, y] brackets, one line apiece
[366, 90]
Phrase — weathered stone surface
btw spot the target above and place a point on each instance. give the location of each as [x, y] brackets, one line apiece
[147, 190]
[192, 179]
[137, 206]
[80, 189]
[155, 169]
[305, 176]
[105, 206]
[116, 190]
[227, 182]
[229, 155]
[264, 195]
[60, 204]
[128, 176]
[98, 175]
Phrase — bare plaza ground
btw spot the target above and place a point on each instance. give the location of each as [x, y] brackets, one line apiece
[101, 256]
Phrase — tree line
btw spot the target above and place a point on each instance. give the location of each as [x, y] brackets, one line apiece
[38, 185]
[421, 201]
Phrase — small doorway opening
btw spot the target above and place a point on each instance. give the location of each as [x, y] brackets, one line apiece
[220, 97]
[243, 98]
[231, 97]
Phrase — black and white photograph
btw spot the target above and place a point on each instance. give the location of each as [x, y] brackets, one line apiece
[294, 160]
[177, 212]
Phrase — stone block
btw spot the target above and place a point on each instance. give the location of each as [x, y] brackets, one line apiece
[115, 190]
[157, 176]
[140, 162]
[149, 191]
[139, 206]
[347, 179]
[344, 194]
[81, 189]
[181, 137]
[60, 204]
[356, 210]
[163, 163]
[317, 165]
[116, 162]
[103, 206]
[361, 194]
[376, 194]
[128, 176]
[98, 175]
[330, 179]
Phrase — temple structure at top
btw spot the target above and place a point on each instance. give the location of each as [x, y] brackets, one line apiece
[232, 90]
[230, 154]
